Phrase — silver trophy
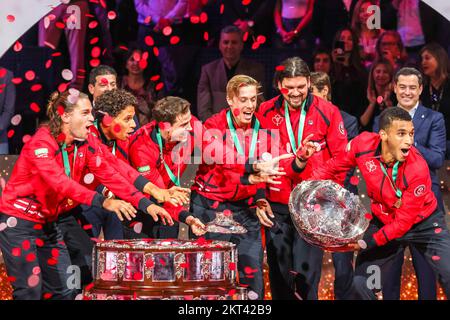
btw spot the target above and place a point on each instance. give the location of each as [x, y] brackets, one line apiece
[327, 215]
[224, 223]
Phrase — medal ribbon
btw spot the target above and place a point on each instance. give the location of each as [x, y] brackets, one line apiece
[175, 180]
[65, 157]
[236, 142]
[301, 125]
[398, 192]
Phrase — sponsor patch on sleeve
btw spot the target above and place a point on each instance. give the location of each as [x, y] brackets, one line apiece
[41, 153]
[143, 169]
[419, 190]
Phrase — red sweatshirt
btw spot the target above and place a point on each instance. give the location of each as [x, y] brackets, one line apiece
[418, 200]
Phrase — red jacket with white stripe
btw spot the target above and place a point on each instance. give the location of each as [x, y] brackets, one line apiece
[39, 189]
[418, 200]
[323, 120]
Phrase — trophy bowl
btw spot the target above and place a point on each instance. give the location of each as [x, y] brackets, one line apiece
[327, 215]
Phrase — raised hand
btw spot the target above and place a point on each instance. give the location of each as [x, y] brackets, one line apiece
[155, 211]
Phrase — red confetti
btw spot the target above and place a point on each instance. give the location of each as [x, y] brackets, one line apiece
[236, 112]
[227, 213]
[167, 31]
[380, 99]
[94, 40]
[11, 279]
[201, 241]
[195, 19]
[36, 87]
[60, 25]
[246, 2]
[87, 227]
[245, 37]
[250, 201]
[155, 77]
[174, 40]
[48, 64]
[37, 227]
[203, 17]
[55, 252]
[137, 275]
[17, 80]
[438, 230]
[10, 18]
[164, 125]
[249, 270]
[149, 41]
[2, 73]
[60, 110]
[208, 255]
[156, 51]
[93, 24]
[232, 266]
[95, 52]
[354, 180]
[26, 245]
[107, 120]
[117, 128]
[123, 48]
[436, 258]
[18, 46]
[184, 265]
[149, 263]
[39, 242]
[94, 63]
[206, 36]
[279, 68]
[261, 39]
[56, 54]
[89, 286]
[284, 91]
[147, 19]
[255, 45]
[10, 133]
[30, 75]
[222, 7]
[368, 216]
[112, 15]
[52, 262]
[35, 107]
[159, 86]
[61, 137]
[162, 262]
[215, 205]
[47, 295]
[30, 257]
[143, 64]
[63, 87]
[16, 252]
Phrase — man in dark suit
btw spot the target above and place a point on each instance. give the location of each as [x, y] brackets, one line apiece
[7, 100]
[430, 140]
[211, 90]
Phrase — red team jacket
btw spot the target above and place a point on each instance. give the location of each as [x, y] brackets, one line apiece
[418, 200]
[222, 180]
[119, 160]
[144, 155]
[39, 189]
[323, 120]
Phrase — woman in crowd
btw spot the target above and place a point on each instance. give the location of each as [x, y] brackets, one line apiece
[436, 90]
[380, 94]
[390, 47]
[367, 37]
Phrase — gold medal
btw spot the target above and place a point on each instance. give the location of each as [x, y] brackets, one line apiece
[69, 202]
[398, 204]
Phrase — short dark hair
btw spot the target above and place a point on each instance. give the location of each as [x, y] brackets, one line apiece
[291, 68]
[408, 71]
[114, 102]
[232, 29]
[167, 109]
[391, 114]
[101, 70]
[320, 80]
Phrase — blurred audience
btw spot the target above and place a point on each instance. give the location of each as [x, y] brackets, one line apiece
[7, 100]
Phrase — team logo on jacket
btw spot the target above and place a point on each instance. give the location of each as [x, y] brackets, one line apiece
[310, 122]
[370, 165]
[341, 128]
[41, 153]
[419, 190]
[277, 119]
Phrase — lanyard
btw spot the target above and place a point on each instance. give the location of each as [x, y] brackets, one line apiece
[114, 141]
[175, 180]
[66, 158]
[300, 126]
[236, 142]
[398, 192]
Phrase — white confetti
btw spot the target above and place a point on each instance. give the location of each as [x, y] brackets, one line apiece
[252, 295]
[11, 222]
[138, 227]
[67, 74]
[88, 178]
[16, 119]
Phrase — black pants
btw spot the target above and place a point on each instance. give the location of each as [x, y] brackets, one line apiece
[343, 274]
[105, 220]
[424, 237]
[78, 243]
[27, 260]
[294, 264]
[150, 228]
[249, 245]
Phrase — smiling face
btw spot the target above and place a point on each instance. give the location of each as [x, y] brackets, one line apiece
[76, 123]
[243, 105]
[429, 63]
[297, 90]
[408, 91]
[231, 46]
[122, 126]
[179, 131]
[397, 140]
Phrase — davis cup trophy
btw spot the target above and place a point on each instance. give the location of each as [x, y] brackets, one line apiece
[327, 215]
